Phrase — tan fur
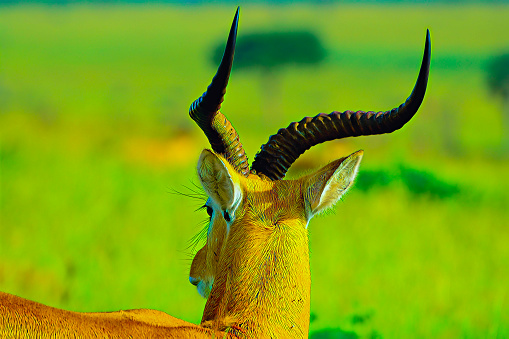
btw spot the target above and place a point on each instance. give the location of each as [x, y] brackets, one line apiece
[21, 318]
[260, 267]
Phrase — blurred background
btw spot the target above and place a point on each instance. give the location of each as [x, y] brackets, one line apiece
[95, 141]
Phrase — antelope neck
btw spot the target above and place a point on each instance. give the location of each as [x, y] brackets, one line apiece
[262, 287]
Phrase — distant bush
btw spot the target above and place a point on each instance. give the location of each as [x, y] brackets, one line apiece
[274, 49]
[420, 182]
[333, 333]
[498, 75]
[368, 179]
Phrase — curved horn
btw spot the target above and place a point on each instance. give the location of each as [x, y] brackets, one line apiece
[205, 110]
[283, 148]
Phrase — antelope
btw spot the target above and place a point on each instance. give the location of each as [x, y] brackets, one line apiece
[254, 266]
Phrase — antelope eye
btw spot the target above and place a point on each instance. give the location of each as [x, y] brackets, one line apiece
[209, 211]
[226, 216]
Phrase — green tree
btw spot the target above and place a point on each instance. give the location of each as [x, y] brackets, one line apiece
[498, 75]
[271, 53]
[498, 82]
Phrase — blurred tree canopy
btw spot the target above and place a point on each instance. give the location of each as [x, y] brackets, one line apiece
[498, 75]
[271, 50]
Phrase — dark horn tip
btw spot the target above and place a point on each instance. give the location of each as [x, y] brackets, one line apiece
[419, 90]
[211, 100]
[227, 61]
[235, 25]
[427, 49]
[427, 53]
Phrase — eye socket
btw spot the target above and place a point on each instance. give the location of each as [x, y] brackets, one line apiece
[226, 216]
[209, 211]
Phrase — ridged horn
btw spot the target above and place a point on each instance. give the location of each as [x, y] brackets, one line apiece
[205, 110]
[279, 153]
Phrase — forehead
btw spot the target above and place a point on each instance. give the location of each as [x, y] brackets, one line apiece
[280, 198]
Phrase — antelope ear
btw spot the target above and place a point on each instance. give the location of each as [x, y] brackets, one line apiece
[323, 188]
[219, 180]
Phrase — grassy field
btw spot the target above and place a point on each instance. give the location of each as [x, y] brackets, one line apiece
[95, 137]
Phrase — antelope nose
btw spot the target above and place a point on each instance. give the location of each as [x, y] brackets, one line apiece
[194, 281]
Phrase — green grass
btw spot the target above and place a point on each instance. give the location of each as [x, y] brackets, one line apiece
[94, 136]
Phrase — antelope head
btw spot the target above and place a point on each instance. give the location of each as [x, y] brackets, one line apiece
[254, 267]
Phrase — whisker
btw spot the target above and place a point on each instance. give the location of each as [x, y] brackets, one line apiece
[197, 238]
[193, 195]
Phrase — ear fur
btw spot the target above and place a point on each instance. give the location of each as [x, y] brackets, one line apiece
[219, 180]
[323, 188]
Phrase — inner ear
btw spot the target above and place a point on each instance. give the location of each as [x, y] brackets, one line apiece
[325, 187]
[219, 180]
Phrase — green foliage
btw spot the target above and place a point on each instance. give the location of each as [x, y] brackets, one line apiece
[498, 75]
[272, 50]
[361, 318]
[416, 181]
[333, 333]
[369, 179]
[421, 182]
